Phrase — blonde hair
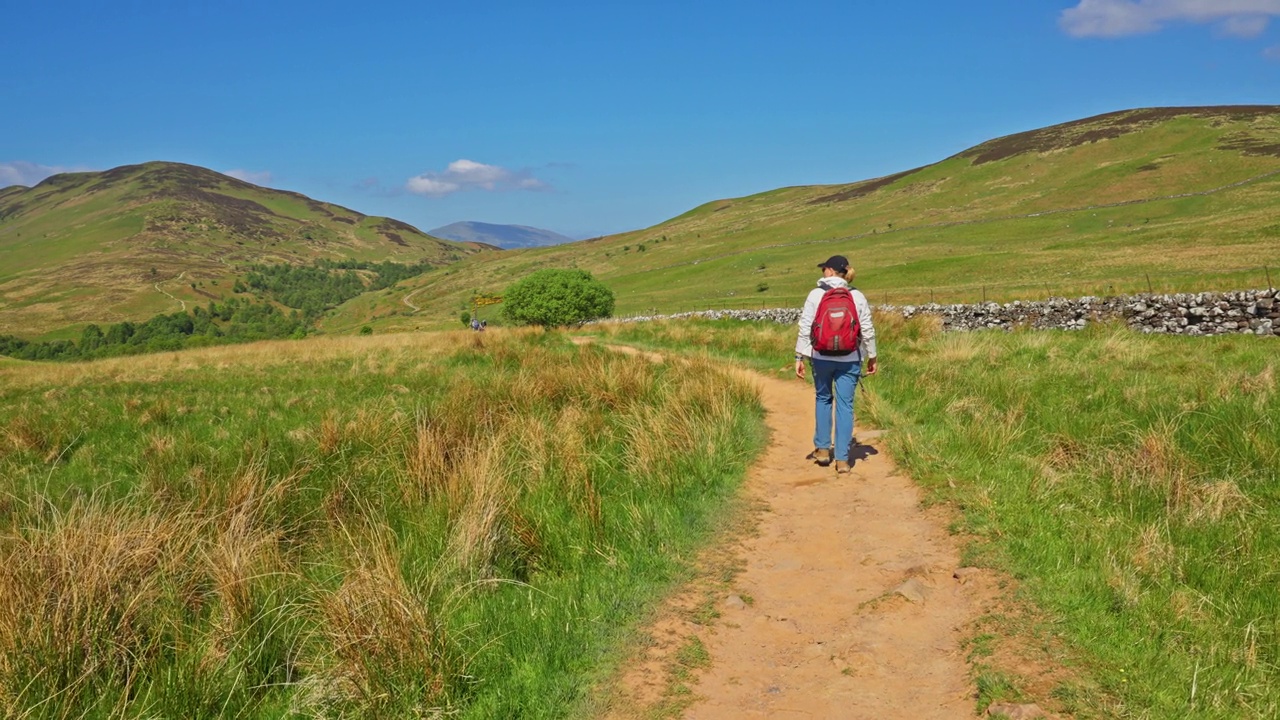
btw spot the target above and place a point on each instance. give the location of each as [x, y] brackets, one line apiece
[847, 274]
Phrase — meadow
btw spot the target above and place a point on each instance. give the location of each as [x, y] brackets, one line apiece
[1129, 486]
[390, 526]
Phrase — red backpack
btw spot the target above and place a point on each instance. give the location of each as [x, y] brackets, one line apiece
[836, 328]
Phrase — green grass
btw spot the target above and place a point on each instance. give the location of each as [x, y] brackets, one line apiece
[375, 527]
[1128, 482]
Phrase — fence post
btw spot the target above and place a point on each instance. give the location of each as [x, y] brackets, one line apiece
[1150, 291]
[984, 293]
[1267, 270]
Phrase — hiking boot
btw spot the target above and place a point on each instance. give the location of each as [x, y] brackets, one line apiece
[842, 467]
[822, 456]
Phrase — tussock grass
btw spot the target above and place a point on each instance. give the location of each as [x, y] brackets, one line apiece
[1129, 482]
[412, 526]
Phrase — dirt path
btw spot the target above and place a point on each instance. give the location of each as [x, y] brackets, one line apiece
[406, 298]
[812, 626]
[183, 303]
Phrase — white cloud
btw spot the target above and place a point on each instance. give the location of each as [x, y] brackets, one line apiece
[470, 175]
[1118, 18]
[250, 176]
[21, 172]
[1244, 26]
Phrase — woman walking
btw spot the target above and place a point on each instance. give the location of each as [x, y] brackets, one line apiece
[836, 345]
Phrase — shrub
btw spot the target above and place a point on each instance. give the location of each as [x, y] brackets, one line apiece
[554, 298]
[366, 330]
[465, 317]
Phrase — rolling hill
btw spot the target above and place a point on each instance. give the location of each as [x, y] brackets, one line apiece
[507, 237]
[1167, 198]
[130, 242]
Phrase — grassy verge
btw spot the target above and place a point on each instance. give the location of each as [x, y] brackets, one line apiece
[402, 526]
[1128, 482]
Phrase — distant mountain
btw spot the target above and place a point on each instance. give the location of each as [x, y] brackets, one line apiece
[507, 237]
[127, 243]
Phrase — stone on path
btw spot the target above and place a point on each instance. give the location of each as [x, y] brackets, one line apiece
[912, 590]
[1014, 711]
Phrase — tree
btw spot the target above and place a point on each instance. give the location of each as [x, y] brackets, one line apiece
[554, 298]
[90, 338]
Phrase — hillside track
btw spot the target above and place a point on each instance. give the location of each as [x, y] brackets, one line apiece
[166, 293]
[812, 625]
[406, 299]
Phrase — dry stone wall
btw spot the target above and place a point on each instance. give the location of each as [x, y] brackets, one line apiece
[1255, 312]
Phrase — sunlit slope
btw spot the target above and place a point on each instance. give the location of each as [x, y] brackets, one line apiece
[1185, 196]
[108, 246]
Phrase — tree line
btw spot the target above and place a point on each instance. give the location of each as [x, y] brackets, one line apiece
[236, 320]
[307, 290]
[326, 284]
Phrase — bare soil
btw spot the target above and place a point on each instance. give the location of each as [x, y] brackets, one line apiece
[811, 625]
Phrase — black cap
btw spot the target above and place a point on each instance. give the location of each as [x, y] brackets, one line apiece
[838, 263]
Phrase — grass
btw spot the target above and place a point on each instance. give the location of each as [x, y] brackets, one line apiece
[1128, 483]
[390, 526]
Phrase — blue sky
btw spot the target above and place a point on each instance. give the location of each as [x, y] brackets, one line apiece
[590, 117]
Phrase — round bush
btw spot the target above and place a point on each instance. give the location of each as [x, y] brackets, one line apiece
[554, 298]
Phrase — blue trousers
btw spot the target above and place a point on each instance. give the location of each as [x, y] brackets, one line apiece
[835, 383]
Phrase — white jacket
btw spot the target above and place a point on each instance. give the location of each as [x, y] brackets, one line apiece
[867, 340]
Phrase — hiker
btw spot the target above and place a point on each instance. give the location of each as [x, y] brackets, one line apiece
[835, 371]
[475, 324]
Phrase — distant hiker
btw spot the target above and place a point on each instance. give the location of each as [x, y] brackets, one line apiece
[836, 334]
[484, 324]
[475, 324]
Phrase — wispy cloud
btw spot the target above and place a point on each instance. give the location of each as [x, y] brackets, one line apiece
[21, 172]
[1119, 18]
[1272, 53]
[466, 174]
[262, 177]
[1244, 26]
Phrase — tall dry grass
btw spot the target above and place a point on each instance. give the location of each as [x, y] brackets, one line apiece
[360, 527]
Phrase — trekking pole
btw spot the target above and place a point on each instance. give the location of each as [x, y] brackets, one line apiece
[1267, 270]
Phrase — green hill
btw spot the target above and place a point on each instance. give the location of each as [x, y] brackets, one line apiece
[1183, 196]
[130, 242]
